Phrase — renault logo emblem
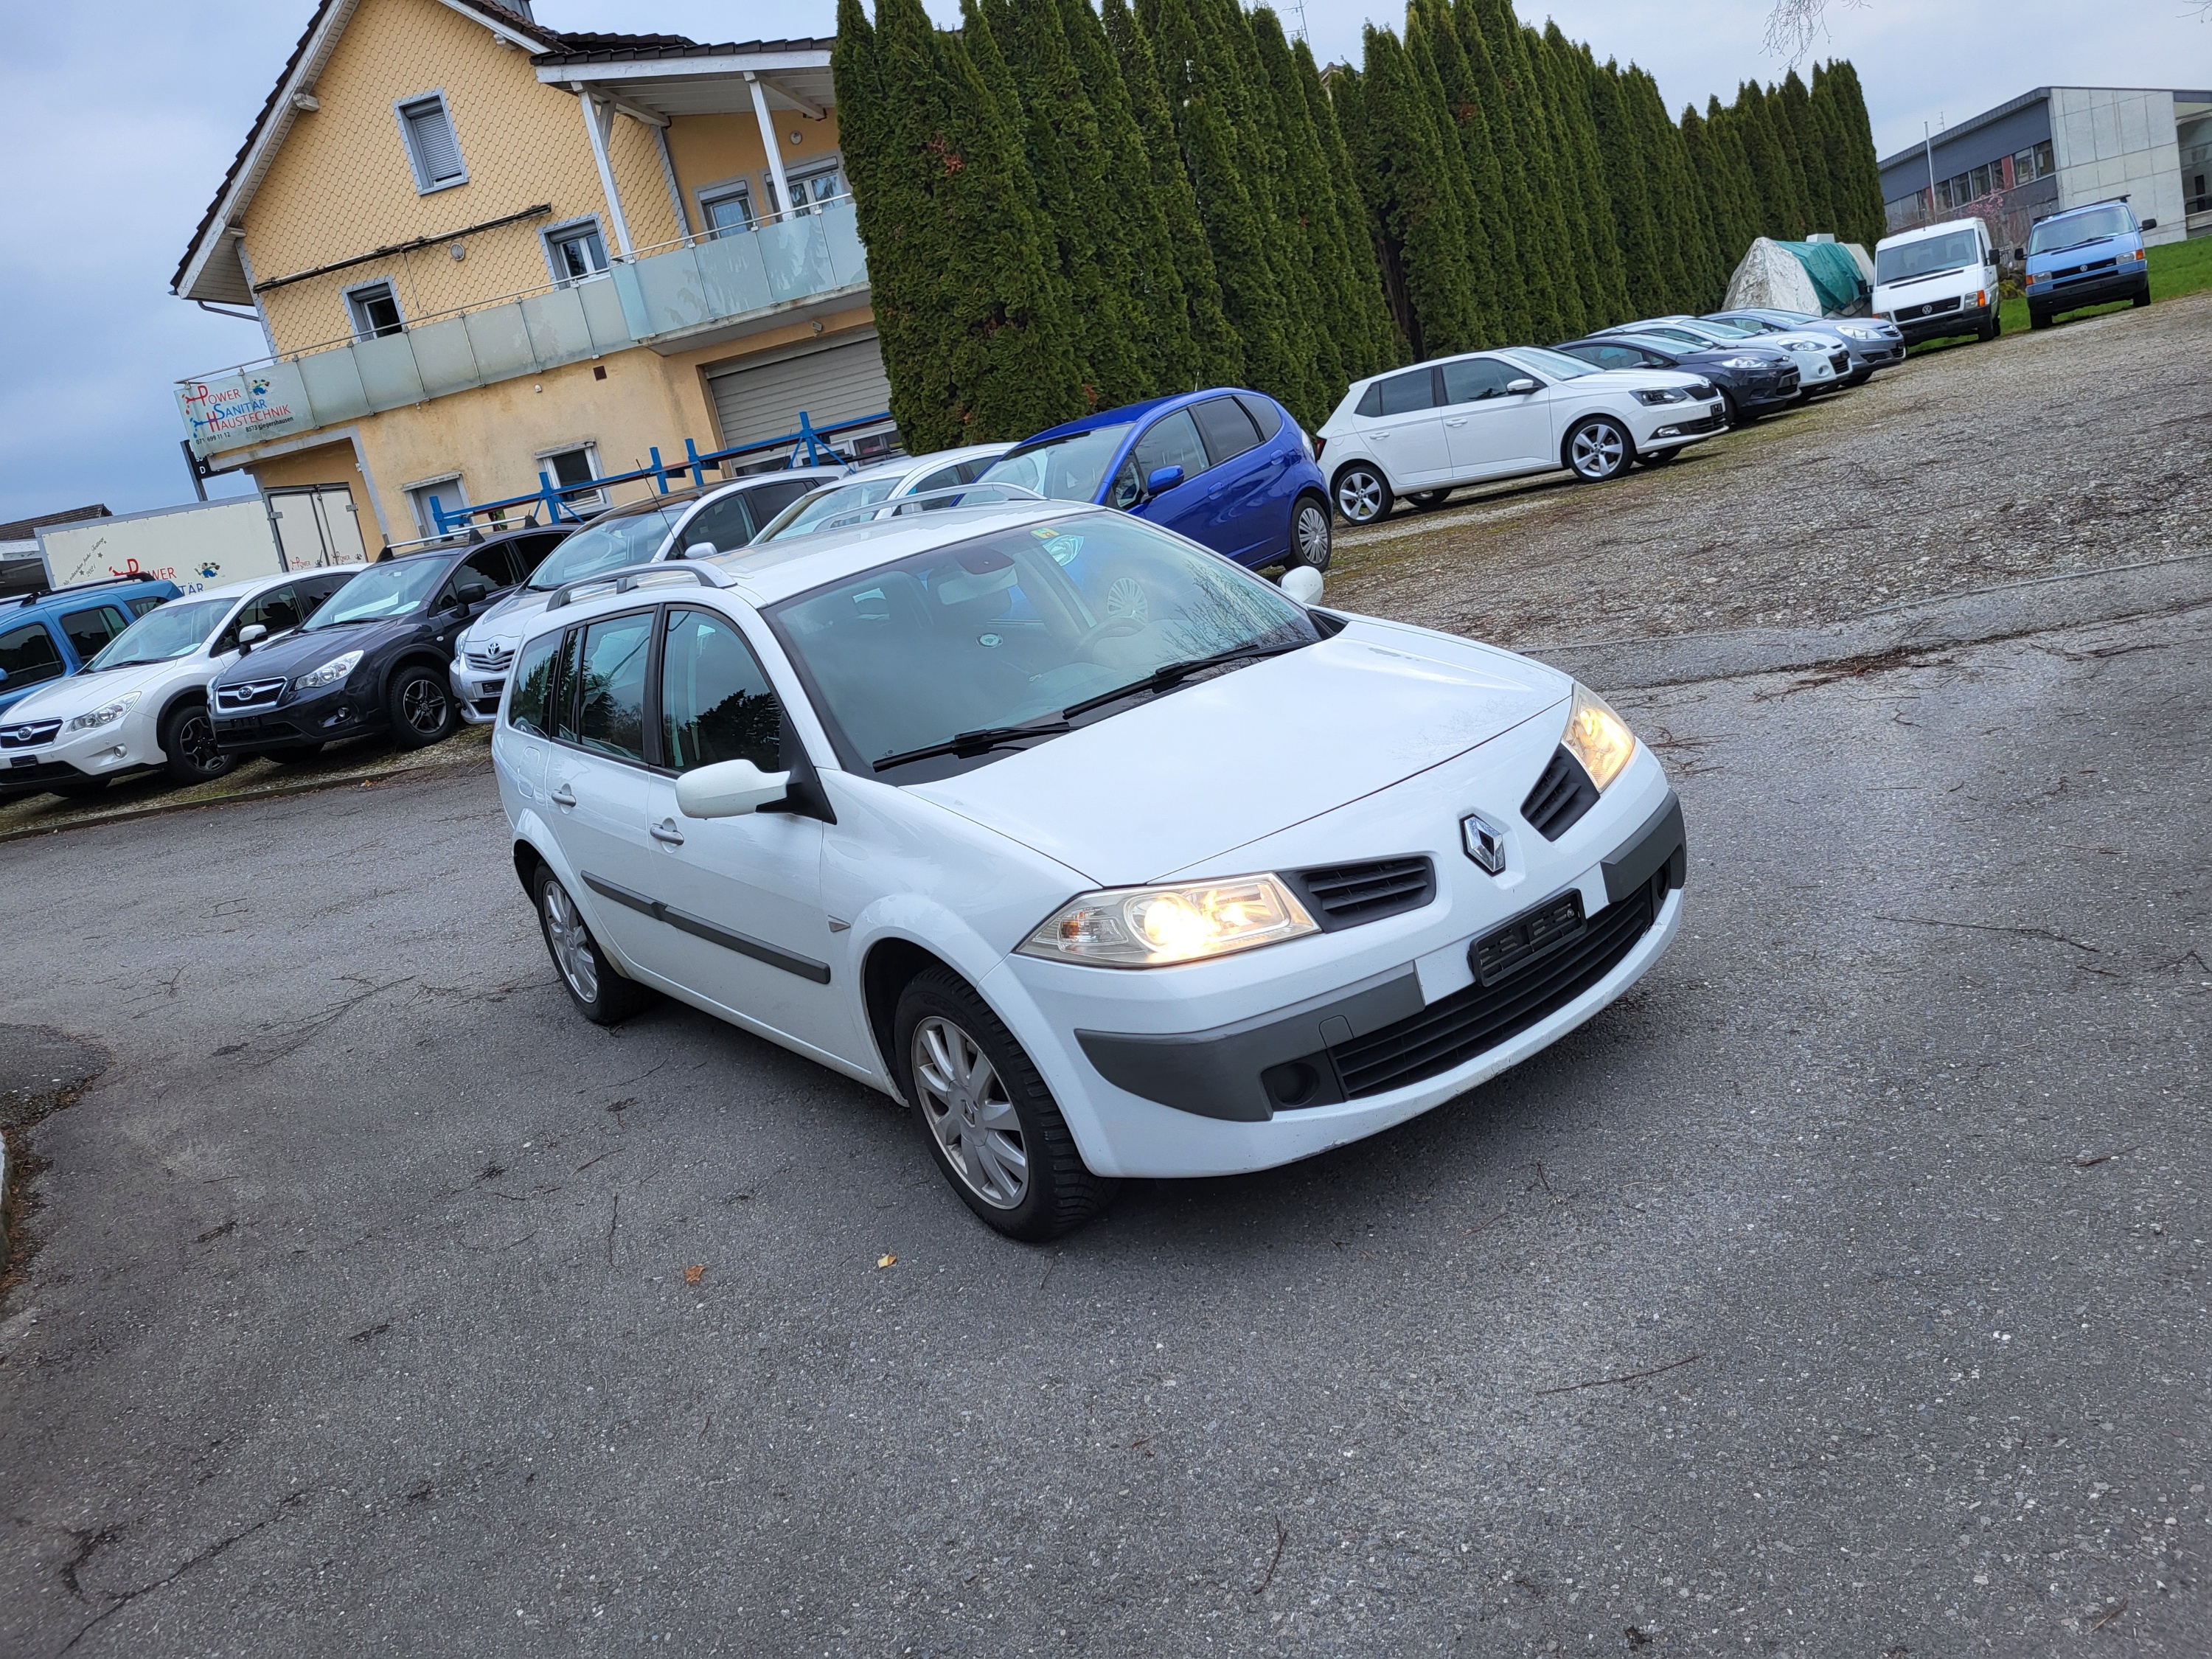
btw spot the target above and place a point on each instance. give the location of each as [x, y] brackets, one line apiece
[1485, 842]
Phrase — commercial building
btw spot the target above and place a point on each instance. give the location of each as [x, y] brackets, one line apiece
[479, 250]
[2060, 146]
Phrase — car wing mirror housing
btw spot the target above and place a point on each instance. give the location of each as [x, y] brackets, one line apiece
[1161, 480]
[729, 789]
[1302, 582]
[697, 551]
[1522, 387]
[251, 636]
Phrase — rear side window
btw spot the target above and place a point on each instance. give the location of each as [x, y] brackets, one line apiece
[481, 575]
[768, 500]
[715, 703]
[1264, 414]
[529, 706]
[565, 677]
[610, 686]
[313, 590]
[1401, 394]
[140, 607]
[529, 552]
[28, 655]
[1227, 429]
[89, 631]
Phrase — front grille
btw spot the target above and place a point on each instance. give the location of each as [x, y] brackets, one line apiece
[248, 694]
[2091, 269]
[253, 728]
[491, 658]
[1345, 895]
[1703, 424]
[1456, 1028]
[1934, 307]
[1560, 798]
[30, 735]
[16, 775]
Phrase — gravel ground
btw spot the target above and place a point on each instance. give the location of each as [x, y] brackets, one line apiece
[2075, 449]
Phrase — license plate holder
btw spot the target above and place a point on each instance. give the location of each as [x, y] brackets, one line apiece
[1530, 936]
[22, 760]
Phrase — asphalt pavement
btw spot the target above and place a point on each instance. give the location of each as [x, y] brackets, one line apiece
[1839, 1291]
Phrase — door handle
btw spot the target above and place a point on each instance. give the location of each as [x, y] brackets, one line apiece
[665, 830]
[563, 795]
[1462, 421]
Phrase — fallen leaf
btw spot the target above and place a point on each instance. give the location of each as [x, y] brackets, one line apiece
[885, 1261]
[693, 1275]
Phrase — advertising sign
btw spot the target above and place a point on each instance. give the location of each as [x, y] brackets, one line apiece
[231, 409]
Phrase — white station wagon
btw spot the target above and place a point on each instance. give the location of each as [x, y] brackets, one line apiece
[1197, 889]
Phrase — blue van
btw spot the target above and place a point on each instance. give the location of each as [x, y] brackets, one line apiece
[2085, 255]
[45, 635]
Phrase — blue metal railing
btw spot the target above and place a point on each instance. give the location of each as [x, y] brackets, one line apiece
[554, 498]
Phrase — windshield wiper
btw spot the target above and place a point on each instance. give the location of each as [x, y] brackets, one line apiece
[1168, 675]
[979, 741]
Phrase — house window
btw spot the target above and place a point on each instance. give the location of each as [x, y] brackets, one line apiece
[728, 210]
[576, 251]
[811, 184]
[375, 309]
[2044, 161]
[449, 495]
[1980, 185]
[570, 467]
[432, 149]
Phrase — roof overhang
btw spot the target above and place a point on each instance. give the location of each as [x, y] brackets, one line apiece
[709, 81]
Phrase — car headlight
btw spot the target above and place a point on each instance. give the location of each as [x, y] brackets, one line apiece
[105, 714]
[2035, 276]
[1743, 362]
[1597, 736]
[1156, 926]
[329, 674]
[1854, 332]
[1660, 394]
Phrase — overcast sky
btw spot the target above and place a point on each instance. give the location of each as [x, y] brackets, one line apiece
[126, 114]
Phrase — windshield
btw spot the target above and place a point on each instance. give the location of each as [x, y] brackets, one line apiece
[166, 632]
[2094, 226]
[633, 539]
[1542, 360]
[825, 509]
[1926, 258]
[1069, 468]
[398, 589]
[1018, 626]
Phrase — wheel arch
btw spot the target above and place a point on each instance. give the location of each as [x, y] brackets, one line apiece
[1568, 428]
[892, 964]
[190, 692]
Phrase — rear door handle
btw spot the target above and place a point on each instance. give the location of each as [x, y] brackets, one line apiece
[563, 795]
[1462, 421]
[666, 830]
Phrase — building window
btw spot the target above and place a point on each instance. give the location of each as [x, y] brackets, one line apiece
[449, 494]
[728, 208]
[576, 251]
[375, 309]
[432, 149]
[811, 184]
[1980, 187]
[569, 467]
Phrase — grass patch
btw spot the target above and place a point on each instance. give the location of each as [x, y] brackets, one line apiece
[2176, 269]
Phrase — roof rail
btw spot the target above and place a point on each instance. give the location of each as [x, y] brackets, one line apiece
[624, 582]
[948, 496]
[38, 593]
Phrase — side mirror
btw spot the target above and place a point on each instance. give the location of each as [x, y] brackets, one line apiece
[1522, 387]
[729, 789]
[251, 636]
[2149, 224]
[696, 551]
[4, 676]
[2019, 254]
[1162, 479]
[1302, 582]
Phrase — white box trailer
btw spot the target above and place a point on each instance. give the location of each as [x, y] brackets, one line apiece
[205, 543]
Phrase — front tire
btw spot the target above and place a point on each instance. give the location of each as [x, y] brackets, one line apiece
[1660, 457]
[2141, 299]
[1427, 500]
[987, 1115]
[2038, 319]
[190, 754]
[1363, 494]
[1598, 450]
[1311, 543]
[601, 995]
[421, 705]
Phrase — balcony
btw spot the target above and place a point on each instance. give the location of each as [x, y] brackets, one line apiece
[687, 294]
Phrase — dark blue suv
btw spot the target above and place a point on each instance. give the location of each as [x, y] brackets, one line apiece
[43, 636]
[1229, 470]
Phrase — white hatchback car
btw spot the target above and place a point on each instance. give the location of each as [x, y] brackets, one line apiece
[849, 499]
[142, 701]
[1421, 432]
[1202, 891]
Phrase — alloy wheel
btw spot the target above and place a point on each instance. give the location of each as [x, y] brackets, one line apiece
[572, 943]
[196, 741]
[1312, 534]
[965, 1103]
[1359, 496]
[422, 705]
[1598, 450]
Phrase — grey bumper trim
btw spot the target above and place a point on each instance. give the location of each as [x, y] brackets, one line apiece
[1660, 840]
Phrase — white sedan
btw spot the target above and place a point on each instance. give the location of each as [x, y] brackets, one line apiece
[142, 701]
[1200, 890]
[1421, 432]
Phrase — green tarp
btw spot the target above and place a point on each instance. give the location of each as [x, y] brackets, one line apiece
[1835, 274]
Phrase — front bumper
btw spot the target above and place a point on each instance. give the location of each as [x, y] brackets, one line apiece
[105, 753]
[2049, 300]
[340, 712]
[1941, 325]
[1665, 426]
[476, 691]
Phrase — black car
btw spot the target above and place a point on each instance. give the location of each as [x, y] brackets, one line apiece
[1753, 380]
[372, 658]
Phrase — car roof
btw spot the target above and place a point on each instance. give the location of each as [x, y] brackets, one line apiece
[246, 586]
[15, 606]
[1128, 414]
[749, 480]
[777, 570]
[1924, 232]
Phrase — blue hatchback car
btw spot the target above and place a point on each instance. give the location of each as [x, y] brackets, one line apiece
[45, 635]
[1230, 469]
[2085, 255]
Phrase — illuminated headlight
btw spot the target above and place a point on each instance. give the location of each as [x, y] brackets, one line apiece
[1662, 394]
[1597, 736]
[105, 714]
[331, 673]
[1156, 927]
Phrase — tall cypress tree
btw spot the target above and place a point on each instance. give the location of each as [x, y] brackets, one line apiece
[1551, 72]
[1631, 184]
[1269, 160]
[1491, 246]
[1860, 203]
[1511, 218]
[1216, 355]
[1423, 238]
[1781, 209]
[1466, 208]
[1793, 118]
[1523, 102]
[1728, 218]
[1685, 241]
[1378, 346]
[1606, 281]
[972, 343]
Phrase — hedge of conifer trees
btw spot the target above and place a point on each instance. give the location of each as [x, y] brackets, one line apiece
[1068, 208]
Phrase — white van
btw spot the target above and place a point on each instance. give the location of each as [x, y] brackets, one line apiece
[1938, 281]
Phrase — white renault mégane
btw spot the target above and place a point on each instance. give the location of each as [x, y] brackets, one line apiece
[1099, 851]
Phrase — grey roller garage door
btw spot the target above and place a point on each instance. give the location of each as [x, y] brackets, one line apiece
[757, 401]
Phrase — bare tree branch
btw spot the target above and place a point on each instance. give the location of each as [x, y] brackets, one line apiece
[1794, 25]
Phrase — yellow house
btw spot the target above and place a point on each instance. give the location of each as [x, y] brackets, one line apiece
[481, 250]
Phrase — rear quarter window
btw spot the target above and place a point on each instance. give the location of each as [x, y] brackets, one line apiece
[530, 705]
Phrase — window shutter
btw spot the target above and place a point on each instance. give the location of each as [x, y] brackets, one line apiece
[437, 153]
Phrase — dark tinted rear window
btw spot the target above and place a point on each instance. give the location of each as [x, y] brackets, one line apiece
[1402, 394]
[529, 707]
[1264, 414]
[1227, 429]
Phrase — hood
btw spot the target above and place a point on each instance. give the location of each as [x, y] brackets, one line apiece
[299, 653]
[74, 694]
[1193, 774]
[1631, 380]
